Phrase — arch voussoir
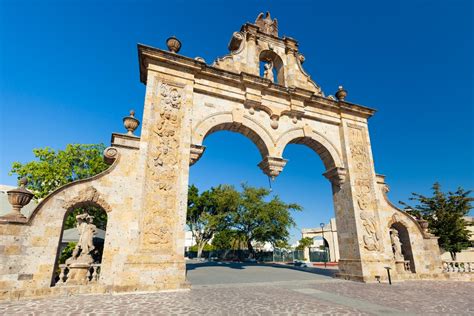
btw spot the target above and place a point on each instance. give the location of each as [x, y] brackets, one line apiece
[225, 121]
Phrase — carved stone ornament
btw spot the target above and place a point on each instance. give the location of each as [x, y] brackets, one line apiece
[196, 153]
[341, 94]
[88, 195]
[173, 44]
[131, 123]
[370, 232]
[267, 25]
[274, 122]
[236, 41]
[18, 198]
[272, 166]
[336, 175]
[162, 166]
[110, 154]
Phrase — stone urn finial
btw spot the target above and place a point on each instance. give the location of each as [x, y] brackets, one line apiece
[18, 198]
[341, 94]
[174, 45]
[130, 122]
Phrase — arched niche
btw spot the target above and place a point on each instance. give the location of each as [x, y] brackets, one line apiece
[267, 56]
[87, 202]
[404, 238]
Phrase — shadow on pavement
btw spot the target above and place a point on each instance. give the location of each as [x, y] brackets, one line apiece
[243, 265]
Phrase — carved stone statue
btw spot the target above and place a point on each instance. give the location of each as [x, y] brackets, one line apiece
[267, 25]
[396, 245]
[268, 73]
[85, 246]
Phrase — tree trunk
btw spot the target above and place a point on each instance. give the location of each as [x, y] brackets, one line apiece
[453, 255]
[200, 247]
[250, 248]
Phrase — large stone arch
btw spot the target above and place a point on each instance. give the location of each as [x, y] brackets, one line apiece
[186, 100]
[234, 122]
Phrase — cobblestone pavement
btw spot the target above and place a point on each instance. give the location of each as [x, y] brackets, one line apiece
[310, 296]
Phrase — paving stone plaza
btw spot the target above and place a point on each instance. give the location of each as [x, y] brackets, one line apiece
[240, 289]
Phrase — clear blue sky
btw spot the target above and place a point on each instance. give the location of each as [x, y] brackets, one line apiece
[69, 73]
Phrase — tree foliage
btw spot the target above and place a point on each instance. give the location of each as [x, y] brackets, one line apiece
[53, 169]
[234, 218]
[255, 219]
[208, 212]
[445, 215]
[305, 242]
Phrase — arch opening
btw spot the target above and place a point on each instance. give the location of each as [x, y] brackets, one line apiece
[401, 246]
[81, 244]
[243, 130]
[318, 148]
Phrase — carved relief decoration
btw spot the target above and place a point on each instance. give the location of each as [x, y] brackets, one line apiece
[162, 167]
[371, 236]
[89, 195]
[364, 193]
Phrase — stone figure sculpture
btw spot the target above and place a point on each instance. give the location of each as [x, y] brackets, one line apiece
[85, 246]
[266, 24]
[396, 245]
[268, 73]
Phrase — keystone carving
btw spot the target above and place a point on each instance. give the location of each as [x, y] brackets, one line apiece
[272, 166]
[86, 196]
[196, 153]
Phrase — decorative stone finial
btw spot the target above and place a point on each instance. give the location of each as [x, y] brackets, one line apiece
[341, 94]
[274, 122]
[174, 45]
[18, 198]
[131, 123]
[267, 25]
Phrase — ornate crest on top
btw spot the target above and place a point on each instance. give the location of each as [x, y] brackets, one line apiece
[267, 25]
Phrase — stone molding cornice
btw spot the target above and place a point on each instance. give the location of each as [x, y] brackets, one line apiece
[147, 54]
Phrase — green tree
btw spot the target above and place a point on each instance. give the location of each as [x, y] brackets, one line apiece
[303, 243]
[282, 244]
[208, 212]
[53, 169]
[258, 220]
[224, 239]
[444, 213]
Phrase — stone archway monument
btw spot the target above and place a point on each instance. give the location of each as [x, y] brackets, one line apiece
[145, 189]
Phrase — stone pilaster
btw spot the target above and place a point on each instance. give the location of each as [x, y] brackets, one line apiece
[362, 249]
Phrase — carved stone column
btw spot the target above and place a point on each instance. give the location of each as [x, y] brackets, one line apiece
[272, 166]
[158, 262]
[360, 239]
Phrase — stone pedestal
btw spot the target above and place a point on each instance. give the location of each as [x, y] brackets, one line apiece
[78, 274]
